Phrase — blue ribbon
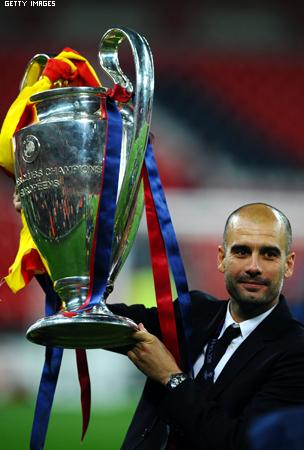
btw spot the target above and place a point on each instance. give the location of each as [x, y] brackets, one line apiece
[172, 249]
[50, 372]
[107, 205]
[104, 238]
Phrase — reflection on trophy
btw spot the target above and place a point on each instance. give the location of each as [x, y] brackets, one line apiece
[58, 165]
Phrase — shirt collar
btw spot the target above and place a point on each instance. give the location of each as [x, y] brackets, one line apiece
[247, 326]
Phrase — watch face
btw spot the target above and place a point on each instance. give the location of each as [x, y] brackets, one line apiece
[175, 380]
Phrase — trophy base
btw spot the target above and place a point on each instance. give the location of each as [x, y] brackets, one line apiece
[85, 330]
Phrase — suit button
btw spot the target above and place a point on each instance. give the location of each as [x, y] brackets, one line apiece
[143, 434]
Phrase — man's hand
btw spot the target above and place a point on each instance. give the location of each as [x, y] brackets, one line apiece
[152, 357]
[16, 201]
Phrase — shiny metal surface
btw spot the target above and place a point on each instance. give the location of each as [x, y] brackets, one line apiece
[34, 70]
[59, 161]
[137, 117]
[91, 330]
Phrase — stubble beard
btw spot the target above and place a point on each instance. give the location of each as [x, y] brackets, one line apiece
[249, 304]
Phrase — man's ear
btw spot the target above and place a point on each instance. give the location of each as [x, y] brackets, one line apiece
[289, 265]
[221, 258]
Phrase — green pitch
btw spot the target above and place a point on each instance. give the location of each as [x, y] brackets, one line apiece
[106, 430]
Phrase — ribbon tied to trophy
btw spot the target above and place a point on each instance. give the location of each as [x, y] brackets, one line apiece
[84, 168]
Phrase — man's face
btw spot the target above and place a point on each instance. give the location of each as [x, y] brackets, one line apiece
[255, 261]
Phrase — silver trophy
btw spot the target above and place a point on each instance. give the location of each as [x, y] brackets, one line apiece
[58, 167]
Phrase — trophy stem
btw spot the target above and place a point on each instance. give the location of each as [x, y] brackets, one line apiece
[73, 328]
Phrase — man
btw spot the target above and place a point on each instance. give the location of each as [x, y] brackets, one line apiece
[261, 369]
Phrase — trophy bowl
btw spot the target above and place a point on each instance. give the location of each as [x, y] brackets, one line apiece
[59, 161]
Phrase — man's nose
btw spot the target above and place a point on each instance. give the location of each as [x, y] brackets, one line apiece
[254, 266]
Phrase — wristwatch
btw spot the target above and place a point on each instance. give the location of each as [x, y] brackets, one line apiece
[176, 379]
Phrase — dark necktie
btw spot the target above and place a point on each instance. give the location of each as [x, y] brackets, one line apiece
[212, 358]
[215, 350]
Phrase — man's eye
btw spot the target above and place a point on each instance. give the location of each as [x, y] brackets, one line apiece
[270, 254]
[241, 251]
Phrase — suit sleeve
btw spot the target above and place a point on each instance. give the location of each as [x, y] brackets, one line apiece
[149, 316]
[204, 424]
[139, 314]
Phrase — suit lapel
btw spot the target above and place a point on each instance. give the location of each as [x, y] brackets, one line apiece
[240, 358]
[270, 329]
[211, 323]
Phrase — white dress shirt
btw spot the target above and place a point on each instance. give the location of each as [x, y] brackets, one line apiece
[247, 327]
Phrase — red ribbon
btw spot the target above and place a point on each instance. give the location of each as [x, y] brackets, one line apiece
[118, 93]
[56, 69]
[85, 388]
[161, 275]
[31, 263]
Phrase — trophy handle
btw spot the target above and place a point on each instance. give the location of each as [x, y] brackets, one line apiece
[143, 60]
[136, 116]
[33, 70]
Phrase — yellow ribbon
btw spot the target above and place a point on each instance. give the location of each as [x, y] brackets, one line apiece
[14, 279]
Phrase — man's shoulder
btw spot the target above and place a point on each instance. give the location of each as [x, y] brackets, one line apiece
[283, 329]
[202, 301]
[197, 295]
[295, 331]
[205, 308]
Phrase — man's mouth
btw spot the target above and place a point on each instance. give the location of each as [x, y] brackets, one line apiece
[252, 284]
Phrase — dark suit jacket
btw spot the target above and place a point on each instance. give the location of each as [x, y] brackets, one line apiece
[265, 373]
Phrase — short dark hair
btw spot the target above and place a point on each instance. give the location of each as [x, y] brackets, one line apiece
[282, 216]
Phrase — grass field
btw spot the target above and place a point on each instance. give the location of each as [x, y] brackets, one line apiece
[106, 429]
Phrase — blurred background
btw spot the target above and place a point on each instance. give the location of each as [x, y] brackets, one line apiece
[228, 127]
